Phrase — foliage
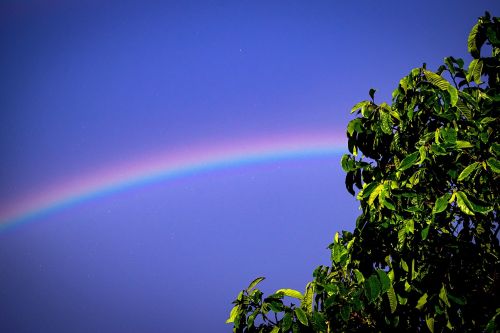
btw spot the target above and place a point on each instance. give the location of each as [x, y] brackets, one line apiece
[424, 255]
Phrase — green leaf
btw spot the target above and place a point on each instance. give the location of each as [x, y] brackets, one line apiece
[301, 316]
[385, 282]
[438, 149]
[359, 105]
[345, 312]
[468, 170]
[347, 163]
[480, 208]
[430, 323]
[372, 288]
[456, 300]
[290, 293]
[409, 226]
[449, 62]
[355, 125]
[466, 111]
[409, 160]
[233, 314]
[275, 306]
[422, 301]
[487, 120]
[391, 295]
[286, 322]
[449, 135]
[254, 283]
[464, 203]
[275, 329]
[375, 194]
[367, 190]
[464, 144]
[425, 232]
[495, 149]
[441, 203]
[388, 204]
[251, 318]
[319, 322]
[443, 297]
[473, 46]
[436, 80]
[359, 276]
[386, 122]
[494, 164]
[404, 83]
[475, 70]
[308, 298]
[453, 95]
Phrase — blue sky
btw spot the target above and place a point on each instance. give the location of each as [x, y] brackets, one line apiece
[89, 85]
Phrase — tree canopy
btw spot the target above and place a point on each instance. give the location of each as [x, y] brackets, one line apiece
[424, 254]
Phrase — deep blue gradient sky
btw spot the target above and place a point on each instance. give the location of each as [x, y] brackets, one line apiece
[86, 85]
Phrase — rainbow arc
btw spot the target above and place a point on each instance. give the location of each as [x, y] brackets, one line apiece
[168, 166]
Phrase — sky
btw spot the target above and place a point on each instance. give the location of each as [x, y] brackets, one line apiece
[157, 156]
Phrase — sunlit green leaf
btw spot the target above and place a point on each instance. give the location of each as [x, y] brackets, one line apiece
[375, 194]
[359, 276]
[301, 316]
[472, 46]
[251, 318]
[393, 303]
[453, 95]
[386, 122]
[475, 71]
[254, 283]
[359, 105]
[468, 170]
[466, 111]
[480, 208]
[308, 298]
[464, 203]
[422, 301]
[388, 204]
[425, 232]
[495, 149]
[367, 190]
[443, 297]
[354, 126]
[436, 80]
[233, 314]
[430, 323]
[464, 144]
[494, 164]
[409, 160]
[441, 203]
[290, 293]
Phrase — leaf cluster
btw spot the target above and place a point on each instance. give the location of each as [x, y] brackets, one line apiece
[424, 255]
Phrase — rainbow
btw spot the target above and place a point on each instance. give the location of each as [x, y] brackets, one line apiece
[168, 166]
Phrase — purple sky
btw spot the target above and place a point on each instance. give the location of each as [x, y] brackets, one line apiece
[88, 85]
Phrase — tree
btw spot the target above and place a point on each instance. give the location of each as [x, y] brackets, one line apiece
[425, 253]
